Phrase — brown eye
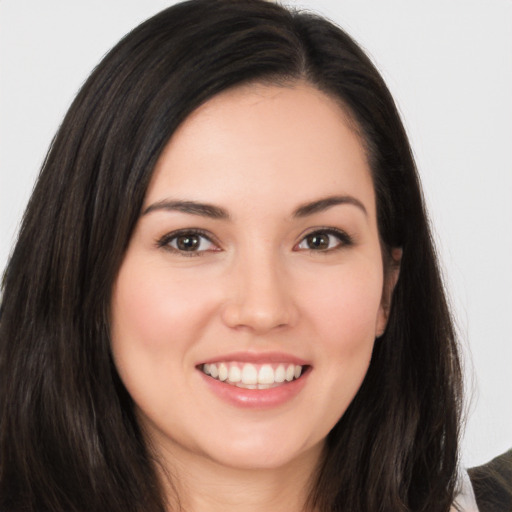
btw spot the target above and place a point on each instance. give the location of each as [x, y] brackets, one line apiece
[325, 240]
[188, 242]
[318, 241]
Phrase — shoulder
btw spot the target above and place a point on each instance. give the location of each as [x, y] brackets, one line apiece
[465, 500]
[492, 484]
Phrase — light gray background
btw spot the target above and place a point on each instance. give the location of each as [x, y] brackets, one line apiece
[449, 66]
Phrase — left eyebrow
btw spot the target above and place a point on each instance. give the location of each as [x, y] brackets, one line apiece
[190, 207]
[326, 203]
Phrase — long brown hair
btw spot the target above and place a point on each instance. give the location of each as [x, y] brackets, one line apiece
[69, 440]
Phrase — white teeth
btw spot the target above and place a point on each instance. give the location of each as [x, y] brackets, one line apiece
[280, 374]
[247, 386]
[235, 374]
[213, 371]
[266, 375]
[251, 376]
[290, 372]
[223, 372]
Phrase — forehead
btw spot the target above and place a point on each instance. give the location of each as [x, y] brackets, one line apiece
[277, 145]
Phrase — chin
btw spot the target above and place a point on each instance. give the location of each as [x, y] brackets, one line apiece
[264, 452]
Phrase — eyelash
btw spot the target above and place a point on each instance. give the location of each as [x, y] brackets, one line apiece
[344, 240]
[166, 240]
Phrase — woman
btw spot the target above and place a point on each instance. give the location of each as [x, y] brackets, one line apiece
[224, 293]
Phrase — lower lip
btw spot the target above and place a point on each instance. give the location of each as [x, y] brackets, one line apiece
[256, 398]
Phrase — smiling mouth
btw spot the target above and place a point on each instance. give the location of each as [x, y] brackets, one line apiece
[253, 376]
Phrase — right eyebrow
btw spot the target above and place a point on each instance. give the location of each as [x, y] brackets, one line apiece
[191, 207]
[326, 203]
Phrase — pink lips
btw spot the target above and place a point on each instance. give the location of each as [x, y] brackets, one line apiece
[256, 398]
[258, 358]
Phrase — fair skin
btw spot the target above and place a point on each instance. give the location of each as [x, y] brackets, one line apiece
[276, 274]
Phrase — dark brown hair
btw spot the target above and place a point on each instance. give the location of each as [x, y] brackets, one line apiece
[69, 440]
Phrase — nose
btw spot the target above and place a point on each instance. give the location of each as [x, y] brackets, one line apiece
[260, 296]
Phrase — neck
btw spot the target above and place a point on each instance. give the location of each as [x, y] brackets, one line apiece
[199, 484]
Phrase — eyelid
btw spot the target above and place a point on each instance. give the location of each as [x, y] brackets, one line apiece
[345, 240]
[164, 241]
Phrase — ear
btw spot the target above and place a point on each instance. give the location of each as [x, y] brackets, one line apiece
[391, 274]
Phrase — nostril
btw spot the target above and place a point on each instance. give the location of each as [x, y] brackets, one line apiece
[257, 316]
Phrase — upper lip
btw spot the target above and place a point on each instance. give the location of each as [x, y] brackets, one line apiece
[257, 358]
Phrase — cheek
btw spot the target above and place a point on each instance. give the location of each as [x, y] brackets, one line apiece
[345, 316]
[345, 320]
[153, 308]
[155, 320]
[346, 306]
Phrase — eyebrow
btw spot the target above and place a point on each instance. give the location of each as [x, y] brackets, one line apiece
[216, 212]
[192, 207]
[326, 203]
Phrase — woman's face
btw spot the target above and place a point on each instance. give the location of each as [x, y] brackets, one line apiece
[246, 308]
